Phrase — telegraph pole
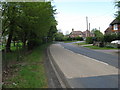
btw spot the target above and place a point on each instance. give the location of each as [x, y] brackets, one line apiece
[87, 22]
[89, 26]
[99, 28]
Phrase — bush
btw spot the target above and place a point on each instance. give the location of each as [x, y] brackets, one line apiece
[79, 38]
[89, 40]
[69, 39]
[33, 43]
[111, 37]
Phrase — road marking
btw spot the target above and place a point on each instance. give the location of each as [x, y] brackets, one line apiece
[90, 58]
[100, 62]
[86, 56]
[94, 59]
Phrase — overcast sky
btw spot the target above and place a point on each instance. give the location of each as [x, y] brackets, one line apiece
[72, 14]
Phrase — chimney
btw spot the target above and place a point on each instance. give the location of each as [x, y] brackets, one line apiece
[72, 29]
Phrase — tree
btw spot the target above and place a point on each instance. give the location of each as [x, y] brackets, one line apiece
[59, 36]
[10, 11]
[117, 4]
[51, 33]
[28, 21]
[111, 37]
[89, 40]
[98, 35]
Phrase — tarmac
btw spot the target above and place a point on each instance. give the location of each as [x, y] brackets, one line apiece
[79, 71]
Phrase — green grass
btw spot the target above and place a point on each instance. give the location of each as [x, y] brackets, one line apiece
[70, 41]
[82, 43]
[31, 71]
[13, 48]
[102, 48]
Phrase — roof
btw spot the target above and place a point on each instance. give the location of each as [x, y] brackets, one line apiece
[76, 32]
[73, 35]
[115, 21]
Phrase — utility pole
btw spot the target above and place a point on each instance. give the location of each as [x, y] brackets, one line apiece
[89, 26]
[87, 22]
[99, 28]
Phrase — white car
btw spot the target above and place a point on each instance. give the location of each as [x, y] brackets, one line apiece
[116, 42]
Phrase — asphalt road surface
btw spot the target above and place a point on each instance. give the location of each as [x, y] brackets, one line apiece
[82, 71]
[104, 57]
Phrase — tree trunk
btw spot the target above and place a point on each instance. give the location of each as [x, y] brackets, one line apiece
[24, 40]
[24, 44]
[9, 40]
[14, 43]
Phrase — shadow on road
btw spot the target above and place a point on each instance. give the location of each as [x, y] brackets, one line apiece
[96, 81]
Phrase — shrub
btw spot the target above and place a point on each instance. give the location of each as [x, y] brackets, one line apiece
[111, 37]
[89, 40]
[79, 38]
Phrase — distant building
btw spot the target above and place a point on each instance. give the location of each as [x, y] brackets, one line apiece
[84, 34]
[87, 33]
[74, 34]
[114, 27]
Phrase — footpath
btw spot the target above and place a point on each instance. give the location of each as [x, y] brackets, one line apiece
[79, 71]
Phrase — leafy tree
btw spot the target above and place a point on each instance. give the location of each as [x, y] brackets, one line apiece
[110, 37]
[117, 4]
[51, 33]
[98, 35]
[89, 40]
[59, 36]
[28, 22]
[10, 13]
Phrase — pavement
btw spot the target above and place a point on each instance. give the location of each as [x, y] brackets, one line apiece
[81, 71]
[104, 57]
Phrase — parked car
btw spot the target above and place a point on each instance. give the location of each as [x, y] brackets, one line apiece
[116, 42]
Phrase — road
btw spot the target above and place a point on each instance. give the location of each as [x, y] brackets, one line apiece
[104, 57]
[82, 71]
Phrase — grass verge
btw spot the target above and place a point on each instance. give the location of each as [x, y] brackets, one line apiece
[70, 41]
[28, 73]
[82, 43]
[101, 48]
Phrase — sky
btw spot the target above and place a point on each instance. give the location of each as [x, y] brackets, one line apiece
[72, 14]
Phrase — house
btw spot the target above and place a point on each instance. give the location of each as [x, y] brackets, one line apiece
[84, 34]
[87, 33]
[114, 27]
[74, 34]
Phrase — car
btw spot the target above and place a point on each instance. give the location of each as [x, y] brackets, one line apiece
[116, 42]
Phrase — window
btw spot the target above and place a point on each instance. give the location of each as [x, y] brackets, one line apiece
[115, 27]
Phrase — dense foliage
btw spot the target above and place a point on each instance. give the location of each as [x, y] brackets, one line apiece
[98, 35]
[117, 4]
[32, 23]
[111, 37]
[89, 40]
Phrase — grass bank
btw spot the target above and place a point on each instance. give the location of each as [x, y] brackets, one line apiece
[101, 48]
[29, 72]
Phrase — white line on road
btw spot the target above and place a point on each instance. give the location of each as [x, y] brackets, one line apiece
[87, 57]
